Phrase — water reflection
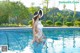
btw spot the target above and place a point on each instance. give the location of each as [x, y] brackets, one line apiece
[74, 40]
[66, 41]
[58, 41]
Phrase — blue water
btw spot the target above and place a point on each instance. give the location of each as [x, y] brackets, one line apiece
[59, 40]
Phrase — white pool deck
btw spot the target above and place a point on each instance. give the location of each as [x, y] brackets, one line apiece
[31, 27]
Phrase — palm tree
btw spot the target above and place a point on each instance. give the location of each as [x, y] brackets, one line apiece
[47, 3]
[64, 6]
[7, 0]
[74, 14]
[32, 4]
[8, 7]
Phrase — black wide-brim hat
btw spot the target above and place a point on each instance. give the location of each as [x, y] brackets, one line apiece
[40, 12]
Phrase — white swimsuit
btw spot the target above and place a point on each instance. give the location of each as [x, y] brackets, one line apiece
[39, 27]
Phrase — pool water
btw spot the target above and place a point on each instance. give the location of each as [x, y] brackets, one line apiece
[59, 40]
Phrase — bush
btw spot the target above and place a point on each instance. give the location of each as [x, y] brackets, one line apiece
[77, 23]
[43, 22]
[8, 25]
[49, 22]
[69, 23]
[30, 23]
[58, 23]
[11, 25]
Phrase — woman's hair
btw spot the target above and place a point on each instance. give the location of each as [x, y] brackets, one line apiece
[36, 14]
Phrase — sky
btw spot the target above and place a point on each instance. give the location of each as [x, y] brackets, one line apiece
[52, 3]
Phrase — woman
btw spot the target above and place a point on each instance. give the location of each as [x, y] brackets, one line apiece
[37, 27]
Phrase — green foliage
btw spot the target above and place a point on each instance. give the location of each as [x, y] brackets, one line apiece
[16, 12]
[58, 23]
[77, 23]
[43, 22]
[30, 23]
[49, 22]
[69, 23]
[33, 9]
[11, 25]
[8, 25]
[13, 10]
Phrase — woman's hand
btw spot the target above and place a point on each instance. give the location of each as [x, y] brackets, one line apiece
[36, 31]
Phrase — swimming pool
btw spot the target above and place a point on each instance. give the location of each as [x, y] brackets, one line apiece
[59, 40]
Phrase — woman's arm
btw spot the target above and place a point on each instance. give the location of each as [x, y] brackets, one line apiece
[33, 26]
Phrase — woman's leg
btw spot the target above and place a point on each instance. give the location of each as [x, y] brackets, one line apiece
[34, 39]
[37, 39]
